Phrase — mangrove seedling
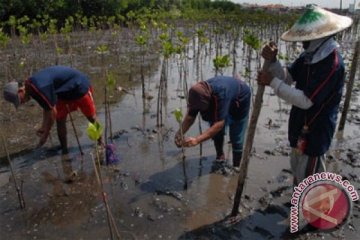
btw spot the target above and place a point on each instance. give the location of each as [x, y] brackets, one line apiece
[220, 63]
[179, 116]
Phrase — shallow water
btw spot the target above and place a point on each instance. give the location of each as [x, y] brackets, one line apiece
[145, 191]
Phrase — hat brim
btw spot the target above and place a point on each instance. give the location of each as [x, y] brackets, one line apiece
[316, 23]
[301, 36]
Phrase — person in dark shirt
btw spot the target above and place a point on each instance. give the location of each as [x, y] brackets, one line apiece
[59, 90]
[220, 101]
[319, 76]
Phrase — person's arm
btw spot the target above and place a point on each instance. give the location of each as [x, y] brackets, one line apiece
[280, 79]
[292, 95]
[48, 121]
[209, 133]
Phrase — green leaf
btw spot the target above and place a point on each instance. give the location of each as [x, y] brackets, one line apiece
[178, 115]
[102, 49]
[140, 40]
[221, 62]
[94, 131]
[252, 40]
[164, 37]
[110, 80]
[168, 49]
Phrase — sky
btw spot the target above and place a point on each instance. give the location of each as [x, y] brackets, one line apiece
[293, 3]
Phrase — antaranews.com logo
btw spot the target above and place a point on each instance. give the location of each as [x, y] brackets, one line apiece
[323, 200]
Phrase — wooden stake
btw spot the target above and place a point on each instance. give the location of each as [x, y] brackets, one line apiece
[349, 87]
[18, 190]
[248, 144]
[111, 222]
[75, 132]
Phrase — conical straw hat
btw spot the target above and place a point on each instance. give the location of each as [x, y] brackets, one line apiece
[316, 23]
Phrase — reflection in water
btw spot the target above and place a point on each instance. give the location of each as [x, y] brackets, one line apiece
[171, 179]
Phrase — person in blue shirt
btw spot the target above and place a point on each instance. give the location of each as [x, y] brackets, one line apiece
[318, 74]
[59, 90]
[221, 101]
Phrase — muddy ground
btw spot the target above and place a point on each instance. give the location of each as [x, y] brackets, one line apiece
[146, 189]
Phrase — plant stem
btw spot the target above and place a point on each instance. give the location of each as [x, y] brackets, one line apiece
[183, 157]
[18, 190]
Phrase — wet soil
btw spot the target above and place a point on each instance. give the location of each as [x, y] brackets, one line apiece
[149, 195]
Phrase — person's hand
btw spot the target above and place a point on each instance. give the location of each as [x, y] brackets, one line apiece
[264, 78]
[40, 132]
[43, 139]
[269, 52]
[191, 142]
[178, 139]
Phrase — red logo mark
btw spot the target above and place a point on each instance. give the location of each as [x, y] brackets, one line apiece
[326, 206]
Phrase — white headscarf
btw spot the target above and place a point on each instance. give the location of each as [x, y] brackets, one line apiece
[320, 48]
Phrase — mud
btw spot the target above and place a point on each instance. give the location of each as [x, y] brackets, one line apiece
[149, 195]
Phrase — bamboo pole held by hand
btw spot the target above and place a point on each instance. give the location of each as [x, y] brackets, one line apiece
[248, 144]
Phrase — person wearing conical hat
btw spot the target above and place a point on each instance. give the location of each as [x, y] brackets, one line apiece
[318, 74]
[59, 90]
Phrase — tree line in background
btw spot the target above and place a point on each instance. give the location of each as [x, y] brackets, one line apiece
[21, 17]
[62, 9]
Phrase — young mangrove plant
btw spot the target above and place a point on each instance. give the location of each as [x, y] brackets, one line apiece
[202, 40]
[110, 86]
[181, 51]
[167, 51]
[102, 50]
[66, 31]
[220, 63]
[4, 39]
[254, 44]
[179, 117]
[110, 148]
[142, 41]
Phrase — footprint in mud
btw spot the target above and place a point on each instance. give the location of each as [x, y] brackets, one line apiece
[223, 168]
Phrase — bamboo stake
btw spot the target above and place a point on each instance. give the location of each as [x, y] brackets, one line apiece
[103, 194]
[106, 117]
[248, 144]
[18, 190]
[75, 132]
[109, 118]
[349, 87]
[111, 222]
